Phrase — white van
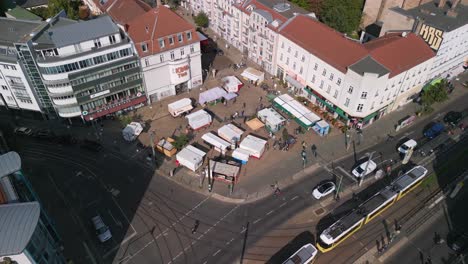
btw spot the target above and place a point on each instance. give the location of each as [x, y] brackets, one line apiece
[102, 230]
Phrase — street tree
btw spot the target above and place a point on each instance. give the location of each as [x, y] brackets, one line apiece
[180, 141]
[202, 20]
[342, 15]
[302, 3]
[434, 94]
[316, 6]
[70, 7]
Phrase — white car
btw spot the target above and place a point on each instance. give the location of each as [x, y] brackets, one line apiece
[102, 230]
[323, 189]
[410, 144]
[359, 171]
[23, 131]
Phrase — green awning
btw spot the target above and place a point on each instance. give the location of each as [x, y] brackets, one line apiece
[432, 83]
[369, 117]
[339, 111]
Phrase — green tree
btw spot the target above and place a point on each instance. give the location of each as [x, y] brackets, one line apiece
[70, 7]
[434, 94]
[202, 20]
[302, 3]
[342, 15]
[180, 141]
[41, 11]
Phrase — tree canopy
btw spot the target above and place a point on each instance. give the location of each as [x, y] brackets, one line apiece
[434, 94]
[302, 3]
[342, 15]
[202, 20]
[55, 6]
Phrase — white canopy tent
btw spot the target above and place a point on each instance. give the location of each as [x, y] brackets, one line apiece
[230, 133]
[199, 119]
[190, 157]
[218, 143]
[253, 75]
[179, 107]
[254, 145]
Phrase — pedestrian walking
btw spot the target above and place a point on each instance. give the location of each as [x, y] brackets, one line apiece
[235, 100]
[195, 226]
[314, 150]
[304, 145]
[243, 105]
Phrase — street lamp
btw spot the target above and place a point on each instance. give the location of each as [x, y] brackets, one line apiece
[152, 146]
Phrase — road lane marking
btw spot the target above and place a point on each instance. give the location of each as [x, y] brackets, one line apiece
[117, 222]
[256, 221]
[206, 232]
[216, 253]
[269, 213]
[283, 204]
[294, 198]
[229, 242]
[88, 251]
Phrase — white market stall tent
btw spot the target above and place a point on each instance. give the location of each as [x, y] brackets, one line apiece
[212, 95]
[199, 119]
[190, 157]
[272, 119]
[132, 131]
[241, 155]
[254, 145]
[179, 107]
[218, 143]
[253, 75]
[230, 133]
[302, 115]
[231, 84]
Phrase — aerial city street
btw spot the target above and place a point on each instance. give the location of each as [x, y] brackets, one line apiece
[221, 132]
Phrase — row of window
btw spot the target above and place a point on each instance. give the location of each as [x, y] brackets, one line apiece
[170, 39]
[88, 62]
[104, 73]
[110, 84]
[172, 55]
[9, 67]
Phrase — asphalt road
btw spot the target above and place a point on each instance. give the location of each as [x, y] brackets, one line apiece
[152, 218]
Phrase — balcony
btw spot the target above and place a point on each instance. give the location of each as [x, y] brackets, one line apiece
[62, 102]
[66, 89]
[69, 112]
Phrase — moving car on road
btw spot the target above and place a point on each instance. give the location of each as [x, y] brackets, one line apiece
[304, 255]
[323, 189]
[434, 130]
[24, 131]
[360, 170]
[410, 144]
[102, 230]
[453, 118]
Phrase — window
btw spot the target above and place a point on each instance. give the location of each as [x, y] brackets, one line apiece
[189, 35]
[315, 66]
[338, 81]
[144, 47]
[281, 57]
[97, 43]
[313, 78]
[377, 93]
[146, 62]
[10, 98]
[336, 94]
[5, 66]
[328, 88]
[331, 77]
[350, 90]
[364, 95]
[171, 40]
[179, 37]
[4, 87]
[161, 43]
[192, 49]
[182, 52]
[282, 45]
[172, 55]
[289, 49]
[359, 107]
[295, 54]
[287, 61]
[303, 58]
[112, 39]
[161, 57]
[321, 84]
[324, 72]
[300, 71]
[14, 68]
[294, 65]
[346, 103]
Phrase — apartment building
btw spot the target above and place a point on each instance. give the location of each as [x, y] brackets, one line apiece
[77, 69]
[15, 89]
[169, 50]
[356, 82]
[27, 234]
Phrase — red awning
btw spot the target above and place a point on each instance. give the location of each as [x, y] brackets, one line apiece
[115, 108]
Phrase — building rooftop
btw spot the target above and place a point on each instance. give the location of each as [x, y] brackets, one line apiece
[9, 163]
[13, 30]
[159, 22]
[437, 17]
[369, 65]
[324, 42]
[399, 52]
[18, 222]
[123, 11]
[21, 13]
[62, 33]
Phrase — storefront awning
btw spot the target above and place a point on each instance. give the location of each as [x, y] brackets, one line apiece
[294, 82]
[338, 110]
[369, 117]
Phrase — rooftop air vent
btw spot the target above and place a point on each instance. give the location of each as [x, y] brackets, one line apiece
[282, 7]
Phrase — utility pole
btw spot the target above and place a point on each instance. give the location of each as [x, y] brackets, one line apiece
[245, 242]
[361, 179]
[152, 146]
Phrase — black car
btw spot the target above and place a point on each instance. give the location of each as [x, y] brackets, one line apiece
[453, 118]
[91, 145]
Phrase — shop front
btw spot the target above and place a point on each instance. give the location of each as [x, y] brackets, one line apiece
[319, 100]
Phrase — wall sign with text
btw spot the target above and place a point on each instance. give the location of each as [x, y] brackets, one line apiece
[432, 36]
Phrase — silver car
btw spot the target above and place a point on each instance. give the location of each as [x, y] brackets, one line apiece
[102, 230]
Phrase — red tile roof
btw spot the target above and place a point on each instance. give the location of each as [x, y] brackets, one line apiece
[323, 41]
[159, 23]
[122, 11]
[393, 51]
[399, 53]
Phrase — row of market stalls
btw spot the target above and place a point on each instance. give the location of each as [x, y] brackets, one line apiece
[301, 114]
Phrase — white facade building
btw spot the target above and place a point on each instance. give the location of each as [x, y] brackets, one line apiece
[169, 49]
[355, 82]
